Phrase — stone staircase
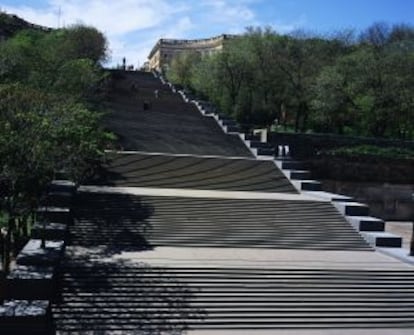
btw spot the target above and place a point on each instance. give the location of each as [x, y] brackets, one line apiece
[128, 298]
[192, 172]
[169, 126]
[144, 222]
[357, 214]
[139, 263]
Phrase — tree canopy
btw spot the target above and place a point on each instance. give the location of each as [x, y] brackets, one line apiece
[345, 83]
[49, 116]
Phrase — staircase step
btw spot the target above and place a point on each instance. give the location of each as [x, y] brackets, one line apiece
[290, 165]
[212, 173]
[265, 151]
[382, 239]
[49, 231]
[352, 208]
[250, 137]
[30, 283]
[232, 298]
[31, 317]
[232, 129]
[59, 199]
[222, 116]
[55, 214]
[33, 254]
[228, 122]
[307, 185]
[62, 185]
[260, 145]
[366, 223]
[207, 222]
[332, 197]
[299, 174]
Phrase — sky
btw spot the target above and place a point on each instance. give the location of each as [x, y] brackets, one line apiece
[132, 27]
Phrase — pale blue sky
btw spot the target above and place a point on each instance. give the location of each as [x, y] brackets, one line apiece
[133, 26]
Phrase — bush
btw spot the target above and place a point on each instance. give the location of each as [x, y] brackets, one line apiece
[370, 151]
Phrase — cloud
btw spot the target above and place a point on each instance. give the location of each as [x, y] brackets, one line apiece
[115, 17]
[134, 26]
[119, 20]
[228, 14]
[283, 27]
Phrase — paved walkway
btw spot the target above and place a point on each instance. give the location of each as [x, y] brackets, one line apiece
[214, 194]
[265, 258]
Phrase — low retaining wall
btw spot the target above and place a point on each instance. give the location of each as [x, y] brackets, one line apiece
[390, 202]
[386, 185]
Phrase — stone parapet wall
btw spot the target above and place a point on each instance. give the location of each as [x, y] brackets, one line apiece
[388, 201]
[166, 49]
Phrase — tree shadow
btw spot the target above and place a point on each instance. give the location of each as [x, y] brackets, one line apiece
[112, 222]
[122, 297]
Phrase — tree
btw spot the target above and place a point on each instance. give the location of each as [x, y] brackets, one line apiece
[370, 87]
[338, 84]
[84, 42]
[182, 67]
[47, 123]
[331, 105]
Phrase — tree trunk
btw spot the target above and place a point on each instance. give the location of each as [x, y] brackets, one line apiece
[8, 246]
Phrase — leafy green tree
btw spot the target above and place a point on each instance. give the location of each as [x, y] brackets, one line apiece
[341, 83]
[331, 105]
[370, 88]
[263, 93]
[47, 123]
[84, 42]
[182, 68]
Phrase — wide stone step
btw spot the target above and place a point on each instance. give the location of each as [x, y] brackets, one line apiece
[30, 283]
[366, 223]
[49, 231]
[308, 185]
[145, 222]
[232, 129]
[30, 317]
[350, 208]
[250, 137]
[55, 214]
[382, 239]
[63, 199]
[62, 186]
[222, 116]
[228, 122]
[34, 255]
[206, 173]
[265, 151]
[290, 165]
[332, 197]
[258, 144]
[101, 297]
[299, 174]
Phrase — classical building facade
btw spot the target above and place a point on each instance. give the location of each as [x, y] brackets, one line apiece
[166, 49]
